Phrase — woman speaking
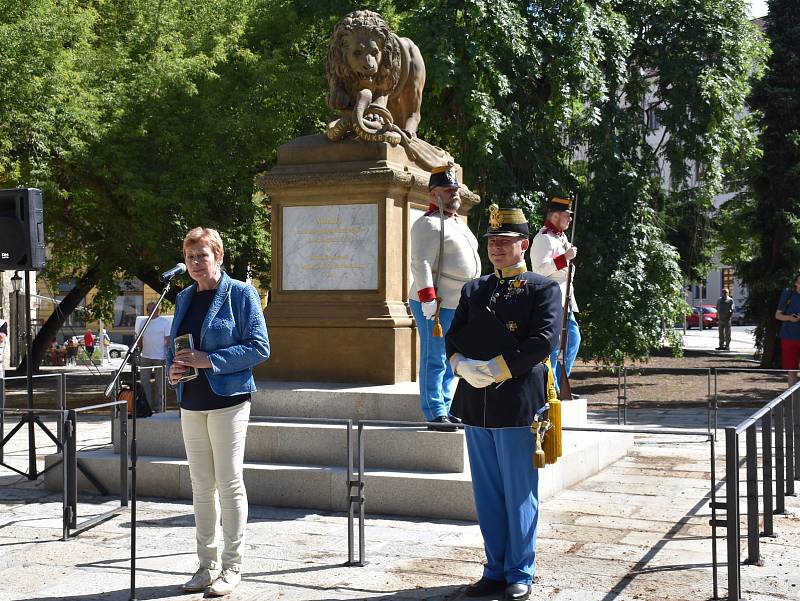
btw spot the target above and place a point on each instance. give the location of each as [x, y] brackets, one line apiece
[229, 337]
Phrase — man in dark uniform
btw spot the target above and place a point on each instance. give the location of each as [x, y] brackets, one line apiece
[503, 384]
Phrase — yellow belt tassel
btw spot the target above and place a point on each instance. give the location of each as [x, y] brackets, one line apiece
[437, 326]
[553, 446]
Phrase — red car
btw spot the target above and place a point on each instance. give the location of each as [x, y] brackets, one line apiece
[710, 319]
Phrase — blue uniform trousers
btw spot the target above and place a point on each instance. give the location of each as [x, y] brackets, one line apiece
[573, 344]
[506, 489]
[436, 380]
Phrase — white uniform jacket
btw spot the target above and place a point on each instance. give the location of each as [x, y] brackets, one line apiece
[460, 263]
[547, 259]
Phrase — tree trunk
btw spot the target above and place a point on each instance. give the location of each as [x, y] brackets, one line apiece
[53, 324]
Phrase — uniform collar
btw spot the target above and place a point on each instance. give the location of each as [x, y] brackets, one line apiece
[550, 227]
[510, 272]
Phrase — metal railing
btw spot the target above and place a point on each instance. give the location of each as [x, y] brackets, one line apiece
[779, 422]
[350, 482]
[713, 403]
[72, 464]
[65, 441]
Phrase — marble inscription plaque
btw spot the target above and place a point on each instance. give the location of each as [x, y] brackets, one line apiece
[330, 247]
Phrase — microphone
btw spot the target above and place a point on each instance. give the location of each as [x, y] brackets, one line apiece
[179, 269]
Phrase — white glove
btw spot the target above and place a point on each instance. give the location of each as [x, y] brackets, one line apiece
[571, 253]
[476, 373]
[429, 309]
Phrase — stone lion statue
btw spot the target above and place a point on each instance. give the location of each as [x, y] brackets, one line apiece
[372, 71]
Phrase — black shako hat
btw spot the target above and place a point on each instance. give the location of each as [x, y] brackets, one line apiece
[507, 222]
[442, 177]
[560, 204]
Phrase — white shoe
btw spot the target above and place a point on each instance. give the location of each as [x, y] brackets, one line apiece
[228, 580]
[201, 580]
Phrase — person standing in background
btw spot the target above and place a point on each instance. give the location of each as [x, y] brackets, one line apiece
[725, 309]
[551, 253]
[154, 346]
[788, 312]
[88, 344]
[444, 255]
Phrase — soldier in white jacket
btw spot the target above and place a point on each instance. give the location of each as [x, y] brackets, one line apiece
[440, 267]
[551, 254]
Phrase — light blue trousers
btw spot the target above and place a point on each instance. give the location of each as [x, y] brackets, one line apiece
[573, 344]
[436, 380]
[506, 489]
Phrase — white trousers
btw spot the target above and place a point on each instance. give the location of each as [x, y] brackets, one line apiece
[214, 443]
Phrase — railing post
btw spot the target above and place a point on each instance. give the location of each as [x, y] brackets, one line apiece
[122, 416]
[61, 394]
[71, 457]
[625, 395]
[766, 471]
[732, 518]
[2, 414]
[780, 465]
[619, 395]
[791, 466]
[716, 404]
[796, 405]
[753, 533]
[66, 518]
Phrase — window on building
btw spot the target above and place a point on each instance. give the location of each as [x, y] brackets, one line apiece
[700, 291]
[129, 304]
[651, 118]
[76, 319]
[727, 279]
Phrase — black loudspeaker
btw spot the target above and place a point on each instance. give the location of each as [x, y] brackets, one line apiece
[21, 229]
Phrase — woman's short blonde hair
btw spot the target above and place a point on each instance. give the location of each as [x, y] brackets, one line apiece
[205, 235]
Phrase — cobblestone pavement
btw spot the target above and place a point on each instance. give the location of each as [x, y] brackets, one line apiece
[637, 530]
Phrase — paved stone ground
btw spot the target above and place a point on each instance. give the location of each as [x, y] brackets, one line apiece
[637, 530]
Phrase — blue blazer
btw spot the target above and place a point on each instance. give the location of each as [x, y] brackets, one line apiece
[234, 334]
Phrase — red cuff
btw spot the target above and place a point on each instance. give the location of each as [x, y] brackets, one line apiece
[560, 261]
[426, 294]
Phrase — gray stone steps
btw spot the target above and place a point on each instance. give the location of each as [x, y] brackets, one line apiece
[307, 444]
[397, 492]
[409, 471]
[395, 402]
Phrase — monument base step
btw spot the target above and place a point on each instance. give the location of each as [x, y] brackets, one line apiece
[393, 492]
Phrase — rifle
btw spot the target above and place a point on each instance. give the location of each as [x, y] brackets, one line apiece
[565, 390]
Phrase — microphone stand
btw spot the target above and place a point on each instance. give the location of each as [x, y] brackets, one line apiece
[133, 356]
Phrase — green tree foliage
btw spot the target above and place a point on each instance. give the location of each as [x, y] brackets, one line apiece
[770, 255]
[546, 97]
[141, 119]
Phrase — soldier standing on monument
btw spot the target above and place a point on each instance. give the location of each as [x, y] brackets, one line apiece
[505, 326]
[444, 255]
[551, 254]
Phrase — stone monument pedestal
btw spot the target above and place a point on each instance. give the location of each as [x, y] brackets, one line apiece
[341, 216]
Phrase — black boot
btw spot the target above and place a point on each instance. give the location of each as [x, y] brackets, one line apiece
[484, 587]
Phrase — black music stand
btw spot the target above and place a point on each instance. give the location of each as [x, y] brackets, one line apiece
[30, 417]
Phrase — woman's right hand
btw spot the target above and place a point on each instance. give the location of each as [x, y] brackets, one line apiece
[176, 372]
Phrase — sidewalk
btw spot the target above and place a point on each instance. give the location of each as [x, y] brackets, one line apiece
[742, 340]
[638, 530]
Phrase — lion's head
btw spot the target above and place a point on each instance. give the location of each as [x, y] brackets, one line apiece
[362, 49]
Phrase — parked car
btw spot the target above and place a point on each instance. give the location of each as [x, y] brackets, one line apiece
[710, 319]
[117, 350]
[739, 318]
